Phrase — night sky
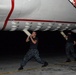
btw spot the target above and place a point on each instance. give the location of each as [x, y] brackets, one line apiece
[13, 43]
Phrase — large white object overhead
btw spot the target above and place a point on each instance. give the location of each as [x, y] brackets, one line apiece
[27, 32]
[37, 15]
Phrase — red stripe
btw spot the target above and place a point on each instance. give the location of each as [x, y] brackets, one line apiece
[75, 2]
[33, 20]
[7, 19]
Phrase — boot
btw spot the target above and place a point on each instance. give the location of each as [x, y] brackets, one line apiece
[20, 68]
[74, 59]
[68, 60]
[45, 64]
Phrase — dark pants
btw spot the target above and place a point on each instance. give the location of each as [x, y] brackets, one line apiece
[31, 53]
[70, 48]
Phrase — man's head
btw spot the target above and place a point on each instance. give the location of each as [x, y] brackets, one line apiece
[33, 34]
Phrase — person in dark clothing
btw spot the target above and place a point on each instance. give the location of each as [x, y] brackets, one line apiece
[33, 52]
[70, 47]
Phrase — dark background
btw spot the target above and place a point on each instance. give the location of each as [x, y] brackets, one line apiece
[50, 43]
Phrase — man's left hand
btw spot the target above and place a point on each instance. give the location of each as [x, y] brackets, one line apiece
[74, 42]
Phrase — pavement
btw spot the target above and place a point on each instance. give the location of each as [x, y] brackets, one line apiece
[57, 66]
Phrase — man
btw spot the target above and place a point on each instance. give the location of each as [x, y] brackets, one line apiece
[33, 52]
[70, 47]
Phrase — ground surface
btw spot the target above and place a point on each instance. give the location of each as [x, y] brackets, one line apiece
[57, 66]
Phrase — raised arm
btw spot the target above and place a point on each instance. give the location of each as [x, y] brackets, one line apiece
[27, 39]
[34, 41]
[63, 34]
